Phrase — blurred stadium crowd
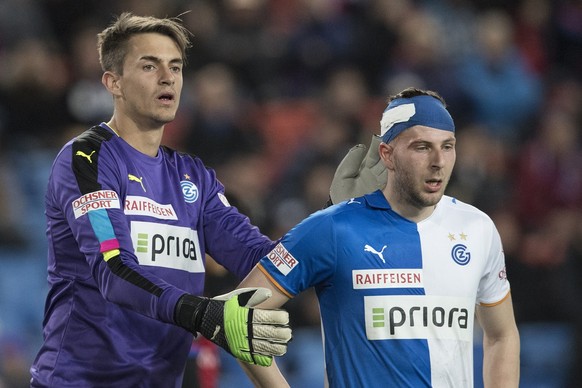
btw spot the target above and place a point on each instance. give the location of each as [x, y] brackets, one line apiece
[275, 93]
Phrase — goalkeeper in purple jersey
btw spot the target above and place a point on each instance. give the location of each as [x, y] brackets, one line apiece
[129, 224]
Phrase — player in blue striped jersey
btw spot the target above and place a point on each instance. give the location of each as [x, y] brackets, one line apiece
[401, 273]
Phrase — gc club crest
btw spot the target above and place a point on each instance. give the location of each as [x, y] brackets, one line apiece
[460, 254]
[190, 191]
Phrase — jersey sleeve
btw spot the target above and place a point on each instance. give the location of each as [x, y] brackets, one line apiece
[493, 286]
[305, 257]
[86, 188]
[230, 238]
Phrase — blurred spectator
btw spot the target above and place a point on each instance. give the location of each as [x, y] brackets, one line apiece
[22, 20]
[284, 125]
[245, 44]
[87, 100]
[456, 20]
[376, 26]
[13, 364]
[424, 57]
[33, 88]
[322, 40]
[483, 173]
[345, 95]
[565, 94]
[11, 208]
[548, 175]
[501, 89]
[215, 117]
[325, 145]
[568, 27]
[533, 34]
[246, 176]
[203, 20]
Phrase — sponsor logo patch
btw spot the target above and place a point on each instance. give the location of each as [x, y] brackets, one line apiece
[167, 246]
[143, 206]
[282, 259]
[380, 253]
[133, 178]
[102, 199]
[84, 155]
[223, 199]
[387, 278]
[419, 317]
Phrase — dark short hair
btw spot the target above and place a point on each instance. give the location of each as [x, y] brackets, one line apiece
[413, 92]
[112, 41]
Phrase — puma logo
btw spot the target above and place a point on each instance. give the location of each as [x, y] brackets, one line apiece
[84, 155]
[136, 179]
[368, 248]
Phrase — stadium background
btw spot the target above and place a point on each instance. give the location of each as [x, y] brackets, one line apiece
[275, 93]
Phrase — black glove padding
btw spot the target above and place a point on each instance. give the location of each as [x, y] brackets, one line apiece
[250, 334]
[359, 173]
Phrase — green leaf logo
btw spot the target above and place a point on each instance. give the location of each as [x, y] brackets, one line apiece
[142, 242]
[378, 317]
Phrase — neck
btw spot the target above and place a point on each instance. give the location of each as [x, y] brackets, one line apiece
[406, 208]
[145, 141]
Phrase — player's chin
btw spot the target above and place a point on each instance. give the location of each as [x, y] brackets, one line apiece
[165, 117]
[432, 198]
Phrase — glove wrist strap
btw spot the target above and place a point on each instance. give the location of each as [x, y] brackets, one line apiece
[189, 312]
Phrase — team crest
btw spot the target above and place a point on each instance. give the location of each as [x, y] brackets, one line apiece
[460, 254]
[190, 191]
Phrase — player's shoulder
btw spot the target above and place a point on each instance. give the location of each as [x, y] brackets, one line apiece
[345, 207]
[181, 156]
[85, 143]
[464, 209]
[354, 208]
[375, 199]
[94, 136]
[91, 139]
[329, 215]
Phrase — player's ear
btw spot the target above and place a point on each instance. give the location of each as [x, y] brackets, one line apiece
[112, 81]
[386, 153]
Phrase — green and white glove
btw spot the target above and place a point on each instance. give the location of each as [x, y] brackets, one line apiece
[359, 173]
[250, 334]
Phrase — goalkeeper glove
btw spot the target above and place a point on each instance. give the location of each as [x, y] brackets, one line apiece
[359, 173]
[250, 334]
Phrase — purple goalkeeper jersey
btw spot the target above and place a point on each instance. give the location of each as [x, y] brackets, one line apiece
[127, 237]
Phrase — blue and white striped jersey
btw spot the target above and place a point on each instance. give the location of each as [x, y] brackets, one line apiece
[397, 298]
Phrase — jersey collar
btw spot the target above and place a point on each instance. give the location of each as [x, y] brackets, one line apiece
[377, 200]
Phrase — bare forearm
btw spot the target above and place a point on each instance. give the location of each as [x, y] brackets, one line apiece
[501, 362]
[265, 377]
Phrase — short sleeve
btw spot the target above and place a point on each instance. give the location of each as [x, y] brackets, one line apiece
[494, 285]
[305, 257]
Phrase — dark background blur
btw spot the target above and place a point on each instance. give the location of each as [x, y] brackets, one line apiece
[275, 93]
